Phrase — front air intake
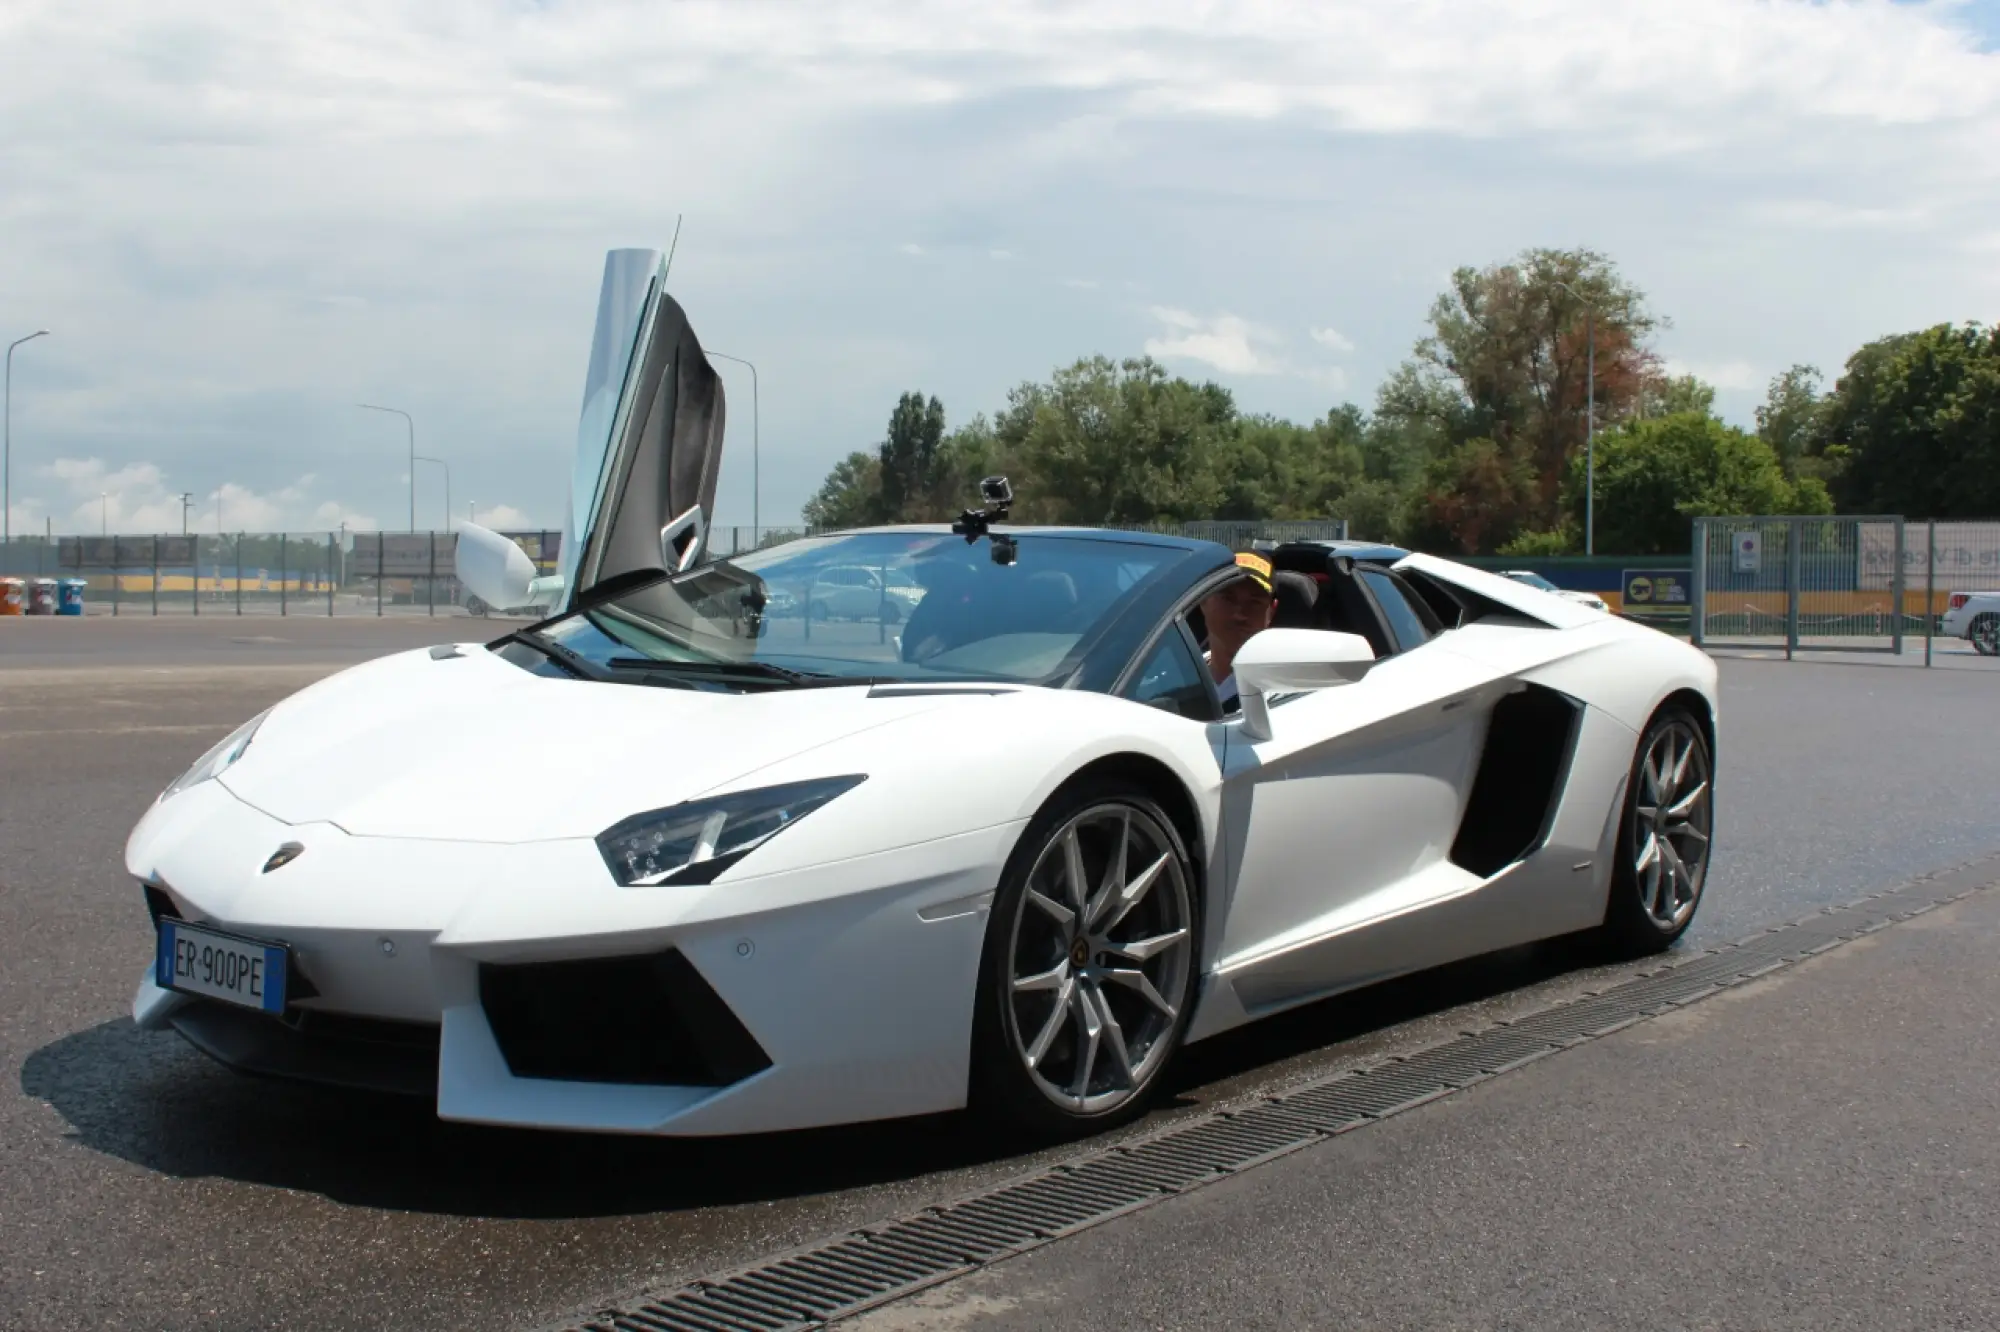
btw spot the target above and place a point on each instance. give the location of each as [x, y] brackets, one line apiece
[649, 1019]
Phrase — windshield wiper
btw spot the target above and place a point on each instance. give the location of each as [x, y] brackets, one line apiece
[554, 651]
[756, 670]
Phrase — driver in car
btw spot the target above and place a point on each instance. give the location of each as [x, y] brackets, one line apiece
[1233, 614]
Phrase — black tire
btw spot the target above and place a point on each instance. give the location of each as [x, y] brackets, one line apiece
[890, 613]
[1005, 1092]
[1984, 635]
[1635, 924]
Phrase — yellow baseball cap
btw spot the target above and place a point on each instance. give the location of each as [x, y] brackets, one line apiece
[1256, 566]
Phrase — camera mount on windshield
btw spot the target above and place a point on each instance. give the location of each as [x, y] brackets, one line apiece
[975, 523]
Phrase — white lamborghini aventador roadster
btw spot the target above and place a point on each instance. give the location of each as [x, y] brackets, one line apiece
[666, 863]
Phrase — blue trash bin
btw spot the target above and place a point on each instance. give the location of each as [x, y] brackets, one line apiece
[72, 596]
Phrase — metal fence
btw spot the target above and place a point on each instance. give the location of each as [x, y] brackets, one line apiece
[371, 573]
[1849, 584]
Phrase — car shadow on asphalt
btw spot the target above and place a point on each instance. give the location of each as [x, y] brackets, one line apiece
[148, 1099]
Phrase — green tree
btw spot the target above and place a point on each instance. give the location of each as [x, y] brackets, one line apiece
[1506, 363]
[1680, 393]
[1655, 476]
[1475, 498]
[908, 454]
[1913, 426]
[850, 496]
[1793, 416]
[1115, 442]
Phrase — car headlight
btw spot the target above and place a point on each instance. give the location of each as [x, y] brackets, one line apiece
[695, 841]
[218, 759]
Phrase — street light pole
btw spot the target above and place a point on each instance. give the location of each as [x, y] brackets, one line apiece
[7, 442]
[1589, 423]
[447, 486]
[409, 421]
[104, 512]
[756, 478]
[187, 499]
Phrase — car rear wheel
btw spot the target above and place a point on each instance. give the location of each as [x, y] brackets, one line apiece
[1088, 974]
[1663, 838]
[1984, 635]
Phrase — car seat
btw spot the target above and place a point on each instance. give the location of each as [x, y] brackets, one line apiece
[1296, 595]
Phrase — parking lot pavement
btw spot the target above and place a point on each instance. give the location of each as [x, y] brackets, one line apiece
[1811, 1151]
[143, 1181]
[139, 642]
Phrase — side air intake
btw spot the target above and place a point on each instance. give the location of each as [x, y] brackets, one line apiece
[1520, 778]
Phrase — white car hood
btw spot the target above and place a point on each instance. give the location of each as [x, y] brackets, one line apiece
[474, 748]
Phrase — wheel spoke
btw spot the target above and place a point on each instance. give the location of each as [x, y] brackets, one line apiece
[1114, 875]
[1051, 979]
[1114, 1035]
[1683, 807]
[1655, 882]
[1650, 769]
[1090, 1037]
[1681, 877]
[1140, 984]
[1053, 1026]
[1133, 893]
[1061, 914]
[1688, 830]
[1073, 870]
[1649, 854]
[1142, 950]
[1681, 767]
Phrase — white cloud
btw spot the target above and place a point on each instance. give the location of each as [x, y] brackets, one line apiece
[999, 256]
[1228, 343]
[90, 495]
[241, 216]
[1737, 376]
[502, 518]
[1332, 339]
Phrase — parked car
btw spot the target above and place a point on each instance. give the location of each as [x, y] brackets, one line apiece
[854, 592]
[1533, 579]
[728, 882]
[1975, 617]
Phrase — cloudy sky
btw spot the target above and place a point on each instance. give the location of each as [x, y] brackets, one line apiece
[239, 219]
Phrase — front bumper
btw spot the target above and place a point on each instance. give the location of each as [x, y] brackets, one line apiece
[854, 979]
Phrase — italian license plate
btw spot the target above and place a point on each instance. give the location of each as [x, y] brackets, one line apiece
[197, 960]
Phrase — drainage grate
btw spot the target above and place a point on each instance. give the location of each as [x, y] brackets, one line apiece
[843, 1277]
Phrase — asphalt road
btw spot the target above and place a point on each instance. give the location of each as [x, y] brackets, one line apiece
[141, 1181]
[1783, 1156]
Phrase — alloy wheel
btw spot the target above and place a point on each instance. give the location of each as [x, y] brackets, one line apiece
[1985, 635]
[1098, 958]
[1671, 824]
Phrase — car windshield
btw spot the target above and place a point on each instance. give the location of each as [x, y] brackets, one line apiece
[870, 606]
[1533, 580]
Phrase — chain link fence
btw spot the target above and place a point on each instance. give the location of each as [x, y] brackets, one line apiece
[1870, 583]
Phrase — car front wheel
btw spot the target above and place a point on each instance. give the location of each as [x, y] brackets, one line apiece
[1088, 974]
[1984, 635]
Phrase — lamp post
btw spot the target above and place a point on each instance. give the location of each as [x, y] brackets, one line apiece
[409, 421]
[447, 487]
[187, 499]
[7, 442]
[755, 465]
[104, 512]
[1589, 423]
